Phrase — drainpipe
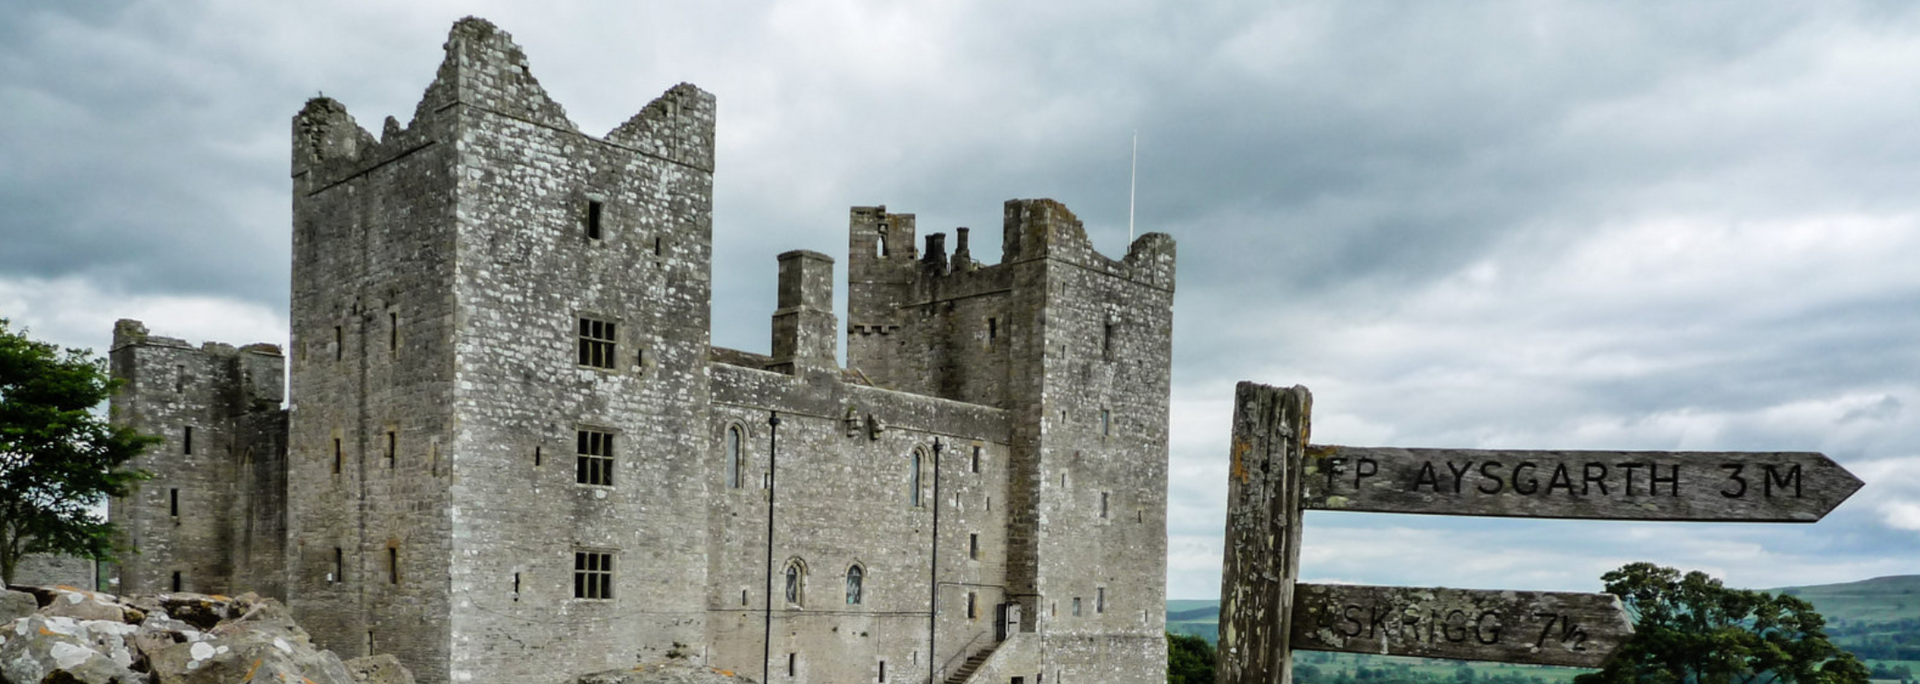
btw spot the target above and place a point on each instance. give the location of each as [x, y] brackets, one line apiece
[766, 645]
[933, 567]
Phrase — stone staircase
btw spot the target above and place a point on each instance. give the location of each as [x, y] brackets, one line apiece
[966, 669]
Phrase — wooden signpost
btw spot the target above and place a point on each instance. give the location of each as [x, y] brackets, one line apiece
[1544, 628]
[1611, 485]
[1275, 473]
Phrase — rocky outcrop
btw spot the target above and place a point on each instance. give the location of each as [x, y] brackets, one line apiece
[63, 634]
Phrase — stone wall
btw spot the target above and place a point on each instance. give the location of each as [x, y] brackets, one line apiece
[217, 410]
[555, 227]
[373, 316]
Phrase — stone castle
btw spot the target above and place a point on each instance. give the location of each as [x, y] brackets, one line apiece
[510, 452]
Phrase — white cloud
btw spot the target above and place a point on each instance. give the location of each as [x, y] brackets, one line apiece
[74, 312]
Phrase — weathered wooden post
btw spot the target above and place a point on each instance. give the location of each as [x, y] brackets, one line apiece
[1270, 428]
[1273, 476]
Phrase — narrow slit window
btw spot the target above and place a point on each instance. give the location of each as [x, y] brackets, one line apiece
[856, 581]
[393, 331]
[976, 459]
[743, 597]
[536, 457]
[913, 480]
[791, 659]
[656, 245]
[516, 586]
[339, 343]
[1100, 600]
[592, 575]
[339, 456]
[179, 379]
[993, 330]
[177, 583]
[393, 447]
[883, 672]
[173, 502]
[1106, 422]
[393, 565]
[1076, 606]
[186, 440]
[973, 546]
[734, 456]
[339, 566]
[594, 210]
[1106, 341]
[594, 458]
[973, 599]
[1103, 504]
[597, 343]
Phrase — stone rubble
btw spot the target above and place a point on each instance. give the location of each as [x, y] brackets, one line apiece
[63, 634]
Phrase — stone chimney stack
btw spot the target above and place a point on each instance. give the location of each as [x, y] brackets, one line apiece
[805, 330]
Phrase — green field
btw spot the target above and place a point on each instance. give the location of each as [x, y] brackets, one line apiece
[1870, 617]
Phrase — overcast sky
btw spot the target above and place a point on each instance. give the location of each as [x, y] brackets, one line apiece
[1606, 225]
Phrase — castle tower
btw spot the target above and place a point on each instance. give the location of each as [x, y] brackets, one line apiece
[213, 518]
[1076, 348]
[500, 339]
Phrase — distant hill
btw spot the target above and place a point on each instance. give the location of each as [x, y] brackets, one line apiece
[1879, 618]
[1881, 599]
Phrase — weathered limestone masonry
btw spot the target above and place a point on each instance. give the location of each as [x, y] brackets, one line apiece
[1076, 348]
[214, 516]
[513, 453]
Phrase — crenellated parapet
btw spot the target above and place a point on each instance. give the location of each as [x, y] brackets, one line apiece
[484, 70]
[1044, 228]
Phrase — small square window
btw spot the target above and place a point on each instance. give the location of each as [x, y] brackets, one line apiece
[594, 462]
[592, 575]
[597, 343]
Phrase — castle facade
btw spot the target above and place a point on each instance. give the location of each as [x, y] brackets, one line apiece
[511, 453]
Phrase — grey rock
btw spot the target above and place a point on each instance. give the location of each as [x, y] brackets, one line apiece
[247, 656]
[16, 604]
[42, 649]
[83, 605]
[379, 669]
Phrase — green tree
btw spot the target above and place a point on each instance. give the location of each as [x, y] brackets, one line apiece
[1189, 660]
[1693, 630]
[57, 458]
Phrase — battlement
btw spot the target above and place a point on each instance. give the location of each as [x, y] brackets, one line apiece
[485, 70]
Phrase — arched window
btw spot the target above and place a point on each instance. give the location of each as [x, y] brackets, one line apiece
[913, 479]
[855, 578]
[796, 577]
[735, 457]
